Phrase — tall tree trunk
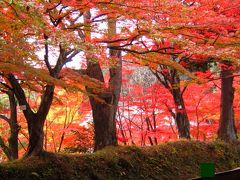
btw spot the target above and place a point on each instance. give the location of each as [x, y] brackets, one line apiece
[181, 117]
[35, 121]
[227, 130]
[31, 117]
[104, 114]
[11, 150]
[14, 127]
[171, 81]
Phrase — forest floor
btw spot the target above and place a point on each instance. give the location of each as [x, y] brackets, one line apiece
[172, 160]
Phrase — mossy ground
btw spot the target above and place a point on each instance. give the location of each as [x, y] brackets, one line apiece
[173, 160]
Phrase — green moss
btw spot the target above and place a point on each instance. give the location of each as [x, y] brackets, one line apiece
[173, 160]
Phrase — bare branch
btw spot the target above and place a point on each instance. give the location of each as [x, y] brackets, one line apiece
[72, 56]
[184, 89]
[46, 56]
[159, 50]
[5, 85]
[75, 19]
[5, 118]
[54, 7]
[5, 148]
[98, 16]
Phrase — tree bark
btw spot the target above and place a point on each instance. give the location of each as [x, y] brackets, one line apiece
[11, 150]
[14, 127]
[171, 81]
[104, 114]
[36, 134]
[227, 130]
[181, 117]
[35, 121]
[36, 137]
[104, 124]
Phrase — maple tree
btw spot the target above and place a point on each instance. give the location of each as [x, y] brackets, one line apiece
[169, 37]
[104, 113]
[171, 80]
[35, 120]
[193, 35]
[219, 35]
[145, 116]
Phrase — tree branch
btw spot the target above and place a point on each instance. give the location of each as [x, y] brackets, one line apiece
[5, 148]
[5, 118]
[46, 56]
[20, 95]
[159, 50]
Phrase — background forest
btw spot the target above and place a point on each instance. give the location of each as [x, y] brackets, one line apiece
[80, 75]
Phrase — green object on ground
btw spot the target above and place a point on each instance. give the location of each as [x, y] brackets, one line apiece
[207, 170]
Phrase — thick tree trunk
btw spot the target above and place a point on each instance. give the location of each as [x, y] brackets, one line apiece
[104, 124]
[181, 117]
[36, 138]
[13, 141]
[227, 130]
[104, 114]
[36, 123]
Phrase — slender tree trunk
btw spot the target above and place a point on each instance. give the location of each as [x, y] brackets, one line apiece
[5, 148]
[171, 81]
[123, 133]
[227, 130]
[181, 117]
[149, 128]
[63, 134]
[14, 127]
[154, 127]
[11, 150]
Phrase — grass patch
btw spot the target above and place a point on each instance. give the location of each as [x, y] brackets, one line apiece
[173, 160]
